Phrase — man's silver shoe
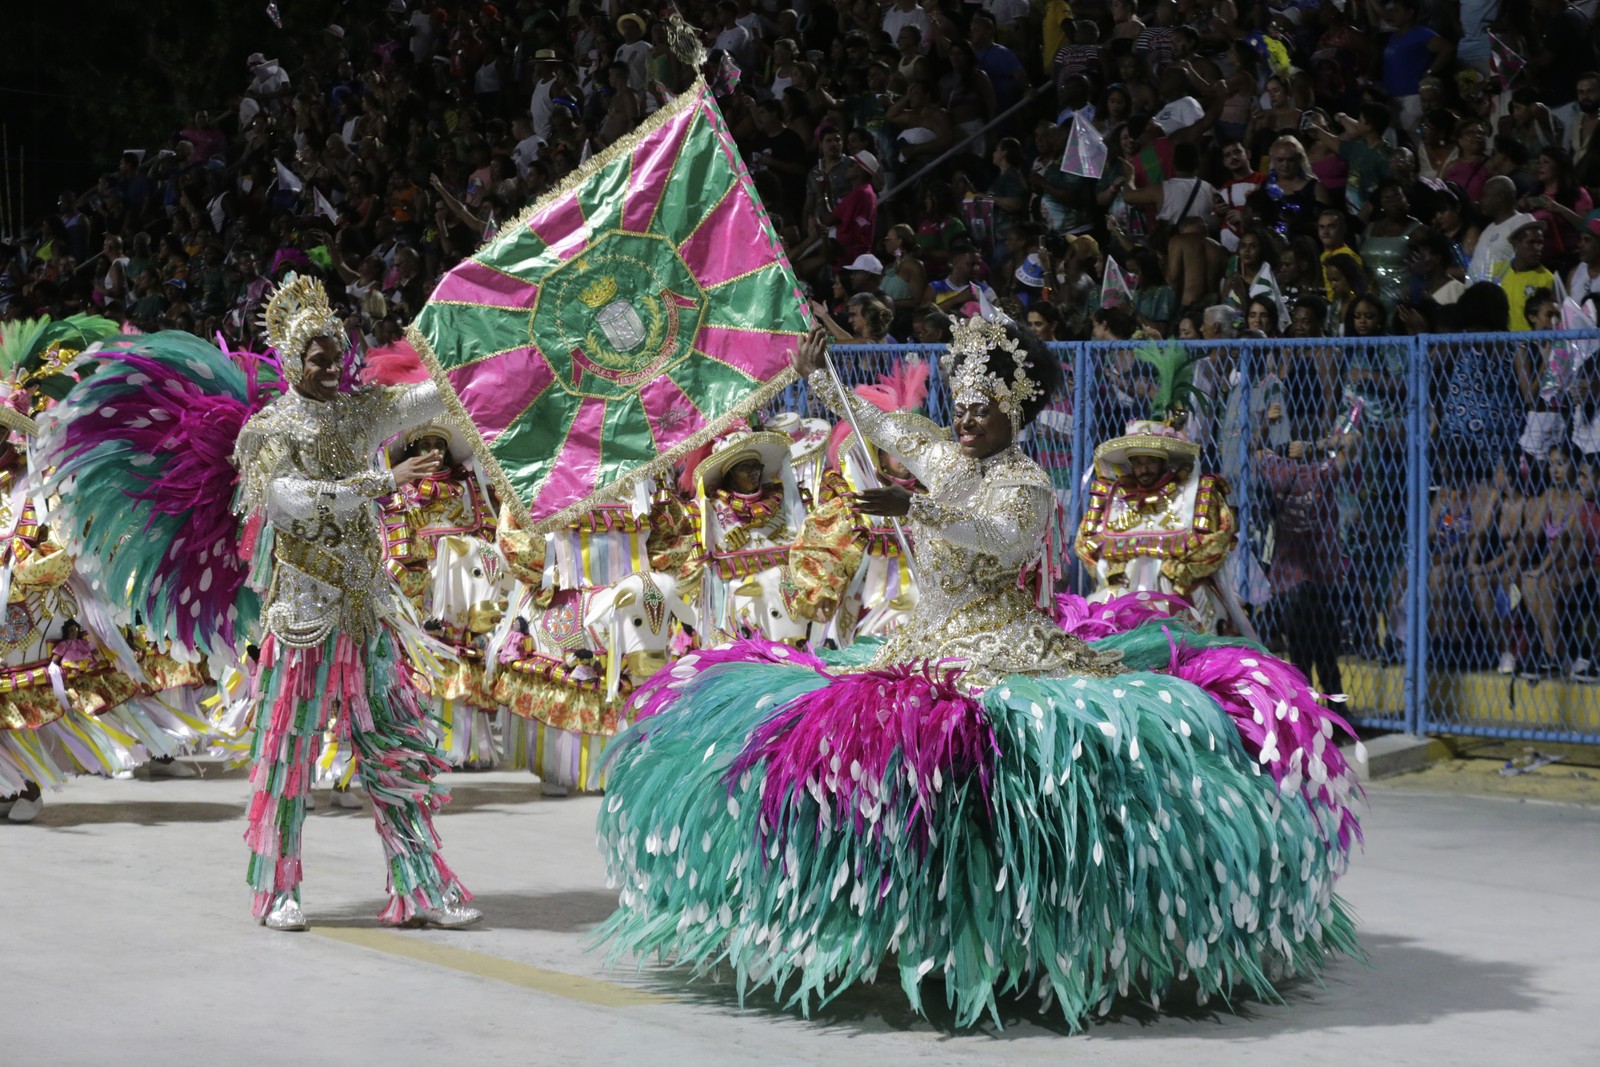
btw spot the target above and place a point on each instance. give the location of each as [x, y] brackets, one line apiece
[450, 917]
[285, 914]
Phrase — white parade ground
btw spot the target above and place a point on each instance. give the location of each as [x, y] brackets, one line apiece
[126, 938]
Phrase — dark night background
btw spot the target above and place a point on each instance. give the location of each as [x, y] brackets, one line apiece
[81, 81]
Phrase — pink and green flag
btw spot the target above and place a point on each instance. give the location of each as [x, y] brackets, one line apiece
[624, 320]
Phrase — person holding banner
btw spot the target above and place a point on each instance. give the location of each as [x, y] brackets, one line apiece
[983, 795]
[850, 568]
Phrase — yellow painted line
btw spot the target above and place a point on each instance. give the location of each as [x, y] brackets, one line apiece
[556, 983]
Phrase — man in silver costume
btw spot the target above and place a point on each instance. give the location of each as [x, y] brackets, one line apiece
[332, 652]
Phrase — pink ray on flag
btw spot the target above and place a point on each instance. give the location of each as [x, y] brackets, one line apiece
[760, 355]
[652, 165]
[728, 243]
[496, 390]
[673, 416]
[470, 282]
[576, 471]
[562, 227]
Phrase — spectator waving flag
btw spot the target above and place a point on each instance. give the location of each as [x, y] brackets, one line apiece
[1086, 150]
[1565, 355]
[288, 178]
[1116, 287]
[625, 319]
[1504, 63]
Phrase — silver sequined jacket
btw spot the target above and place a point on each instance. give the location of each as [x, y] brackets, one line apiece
[978, 526]
[309, 468]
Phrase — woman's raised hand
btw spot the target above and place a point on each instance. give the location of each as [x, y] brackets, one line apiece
[811, 354]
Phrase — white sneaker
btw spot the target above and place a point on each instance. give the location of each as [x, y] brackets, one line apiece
[171, 769]
[552, 789]
[1508, 663]
[26, 809]
[348, 799]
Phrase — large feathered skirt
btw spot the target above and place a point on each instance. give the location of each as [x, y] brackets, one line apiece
[803, 825]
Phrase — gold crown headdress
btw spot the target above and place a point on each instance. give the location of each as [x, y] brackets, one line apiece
[972, 382]
[298, 314]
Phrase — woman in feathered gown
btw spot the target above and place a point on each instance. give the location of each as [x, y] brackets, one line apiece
[985, 796]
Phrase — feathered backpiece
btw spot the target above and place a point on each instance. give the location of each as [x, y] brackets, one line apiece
[1175, 388]
[297, 314]
[140, 452]
[37, 352]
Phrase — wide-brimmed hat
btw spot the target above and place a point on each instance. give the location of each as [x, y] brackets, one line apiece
[810, 436]
[736, 446]
[455, 444]
[637, 20]
[810, 439]
[784, 422]
[1144, 438]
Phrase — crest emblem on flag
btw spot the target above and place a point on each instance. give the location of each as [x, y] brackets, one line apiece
[625, 319]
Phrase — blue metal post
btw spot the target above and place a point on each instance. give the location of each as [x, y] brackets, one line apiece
[1417, 481]
[936, 393]
[1083, 369]
[1247, 459]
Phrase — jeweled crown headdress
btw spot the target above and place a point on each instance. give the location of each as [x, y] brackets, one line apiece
[971, 381]
[298, 314]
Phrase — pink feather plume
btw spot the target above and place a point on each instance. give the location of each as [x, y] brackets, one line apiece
[1283, 725]
[396, 364]
[904, 388]
[1118, 615]
[872, 744]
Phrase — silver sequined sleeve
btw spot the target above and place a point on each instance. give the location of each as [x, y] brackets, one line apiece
[1007, 522]
[401, 407]
[910, 445]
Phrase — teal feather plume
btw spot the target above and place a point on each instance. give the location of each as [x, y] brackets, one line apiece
[1175, 378]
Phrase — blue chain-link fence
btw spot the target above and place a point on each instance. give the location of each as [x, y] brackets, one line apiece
[1418, 523]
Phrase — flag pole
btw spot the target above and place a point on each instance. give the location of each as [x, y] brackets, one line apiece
[5, 152]
[868, 468]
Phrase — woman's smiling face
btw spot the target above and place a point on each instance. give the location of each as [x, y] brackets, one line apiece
[981, 428]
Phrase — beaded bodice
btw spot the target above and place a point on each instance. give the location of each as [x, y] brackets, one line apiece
[310, 469]
[981, 524]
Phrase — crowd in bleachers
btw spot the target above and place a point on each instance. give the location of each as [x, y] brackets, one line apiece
[1312, 169]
